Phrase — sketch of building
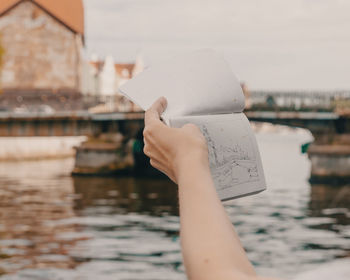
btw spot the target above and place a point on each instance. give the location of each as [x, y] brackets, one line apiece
[231, 164]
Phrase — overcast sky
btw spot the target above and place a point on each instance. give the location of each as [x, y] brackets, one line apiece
[270, 44]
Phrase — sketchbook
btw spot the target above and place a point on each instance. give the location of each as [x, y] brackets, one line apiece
[201, 89]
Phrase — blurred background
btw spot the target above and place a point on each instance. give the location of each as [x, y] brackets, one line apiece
[78, 199]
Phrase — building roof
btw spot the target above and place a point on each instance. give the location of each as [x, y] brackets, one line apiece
[69, 12]
[97, 64]
[121, 67]
[124, 70]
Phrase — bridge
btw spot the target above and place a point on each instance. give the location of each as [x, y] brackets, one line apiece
[325, 115]
[90, 124]
[74, 123]
[316, 111]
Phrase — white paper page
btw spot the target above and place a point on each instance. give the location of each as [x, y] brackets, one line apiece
[194, 83]
[234, 157]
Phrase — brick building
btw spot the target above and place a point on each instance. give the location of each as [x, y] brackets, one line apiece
[43, 42]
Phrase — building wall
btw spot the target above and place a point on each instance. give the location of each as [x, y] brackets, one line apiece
[40, 52]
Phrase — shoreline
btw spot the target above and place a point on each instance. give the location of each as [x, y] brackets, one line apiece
[14, 149]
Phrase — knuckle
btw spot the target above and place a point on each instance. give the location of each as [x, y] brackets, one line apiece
[148, 112]
[147, 132]
[146, 150]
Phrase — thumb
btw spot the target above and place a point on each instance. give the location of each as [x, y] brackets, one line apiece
[154, 112]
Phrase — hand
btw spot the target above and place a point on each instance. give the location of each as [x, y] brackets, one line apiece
[172, 150]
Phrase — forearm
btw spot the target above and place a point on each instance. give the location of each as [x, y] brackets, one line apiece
[209, 241]
[210, 246]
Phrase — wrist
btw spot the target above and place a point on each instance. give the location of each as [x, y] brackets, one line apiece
[191, 164]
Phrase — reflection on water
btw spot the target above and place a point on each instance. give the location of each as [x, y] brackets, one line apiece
[51, 222]
[332, 202]
[28, 205]
[53, 226]
[127, 194]
[323, 198]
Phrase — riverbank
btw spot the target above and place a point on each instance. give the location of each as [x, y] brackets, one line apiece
[38, 148]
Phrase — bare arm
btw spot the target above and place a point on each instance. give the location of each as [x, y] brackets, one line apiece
[210, 244]
[211, 248]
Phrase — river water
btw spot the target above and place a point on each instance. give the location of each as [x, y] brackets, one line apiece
[53, 226]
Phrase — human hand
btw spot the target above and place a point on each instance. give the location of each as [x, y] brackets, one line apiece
[172, 150]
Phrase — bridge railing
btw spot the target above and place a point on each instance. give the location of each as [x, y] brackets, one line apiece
[298, 101]
[52, 103]
[258, 100]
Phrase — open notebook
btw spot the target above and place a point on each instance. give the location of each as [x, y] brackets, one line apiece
[201, 89]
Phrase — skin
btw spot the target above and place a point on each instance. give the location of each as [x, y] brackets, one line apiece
[210, 245]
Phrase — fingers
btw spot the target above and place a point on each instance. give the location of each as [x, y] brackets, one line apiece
[154, 112]
[190, 126]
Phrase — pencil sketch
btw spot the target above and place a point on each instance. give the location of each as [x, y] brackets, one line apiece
[232, 160]
[233, 153]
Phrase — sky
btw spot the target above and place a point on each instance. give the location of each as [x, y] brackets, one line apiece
[270, 44]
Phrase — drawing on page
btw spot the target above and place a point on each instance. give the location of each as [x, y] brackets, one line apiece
[232, 160]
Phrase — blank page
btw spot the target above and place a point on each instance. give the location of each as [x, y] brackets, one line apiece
[195, 83]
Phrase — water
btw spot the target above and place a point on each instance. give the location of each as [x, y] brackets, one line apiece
[53, 226]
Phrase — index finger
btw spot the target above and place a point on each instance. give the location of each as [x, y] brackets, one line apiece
[155, 111]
